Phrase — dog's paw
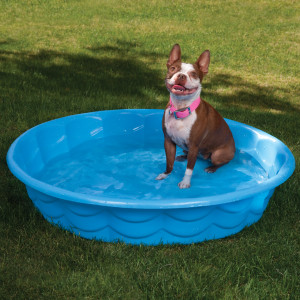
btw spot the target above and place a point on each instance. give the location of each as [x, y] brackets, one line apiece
[184, 185]
[161, 176]
[186, 181]
[211, 169]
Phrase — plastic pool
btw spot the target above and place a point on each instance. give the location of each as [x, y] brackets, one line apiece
[94, 174]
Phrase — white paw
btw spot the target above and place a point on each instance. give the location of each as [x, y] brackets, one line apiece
[186, 181]
[161, 176]
[184, 185]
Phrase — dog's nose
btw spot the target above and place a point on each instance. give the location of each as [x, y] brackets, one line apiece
[181, 77]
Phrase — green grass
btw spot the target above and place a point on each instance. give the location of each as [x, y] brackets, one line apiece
[65, 57]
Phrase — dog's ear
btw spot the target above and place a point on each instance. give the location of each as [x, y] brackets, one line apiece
[175, 55]
[203, 63]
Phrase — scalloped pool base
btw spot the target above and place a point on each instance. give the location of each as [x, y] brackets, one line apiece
[151, 226]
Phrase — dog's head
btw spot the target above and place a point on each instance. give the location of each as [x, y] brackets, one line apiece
[184, 80]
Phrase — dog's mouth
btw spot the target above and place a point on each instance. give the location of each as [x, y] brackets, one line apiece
[177, 89]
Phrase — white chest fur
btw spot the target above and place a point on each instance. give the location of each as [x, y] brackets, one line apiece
[179, 129]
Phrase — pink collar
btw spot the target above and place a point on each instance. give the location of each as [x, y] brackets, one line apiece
[184, 112]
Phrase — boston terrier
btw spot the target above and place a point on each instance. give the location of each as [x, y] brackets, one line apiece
[191, 123]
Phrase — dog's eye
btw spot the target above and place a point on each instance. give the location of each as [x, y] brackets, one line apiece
[194, 75]
[172, 69]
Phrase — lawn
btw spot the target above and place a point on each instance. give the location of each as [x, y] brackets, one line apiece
[59, 58]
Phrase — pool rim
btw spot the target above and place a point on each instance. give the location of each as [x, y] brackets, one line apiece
[286, 170]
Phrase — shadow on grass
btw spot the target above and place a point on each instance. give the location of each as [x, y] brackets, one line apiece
[248, 95]
[49, 84]
[127, 49]
[110, 82]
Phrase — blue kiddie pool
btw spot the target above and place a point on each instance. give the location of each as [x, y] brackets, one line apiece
[94, 175]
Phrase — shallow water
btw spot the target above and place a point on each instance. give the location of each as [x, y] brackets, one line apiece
[125, 169]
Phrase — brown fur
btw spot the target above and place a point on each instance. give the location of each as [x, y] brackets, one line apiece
[211, 138]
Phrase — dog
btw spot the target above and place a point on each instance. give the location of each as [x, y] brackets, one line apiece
[191, 123]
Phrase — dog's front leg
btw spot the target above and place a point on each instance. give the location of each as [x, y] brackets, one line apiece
[170, 149]
[192, 158]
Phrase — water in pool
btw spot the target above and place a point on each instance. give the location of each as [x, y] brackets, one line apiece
[128, 170]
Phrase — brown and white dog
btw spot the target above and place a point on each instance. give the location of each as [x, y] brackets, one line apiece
[191, 123]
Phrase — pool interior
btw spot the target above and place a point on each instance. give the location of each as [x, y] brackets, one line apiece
[124, 167]
[118, 154]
